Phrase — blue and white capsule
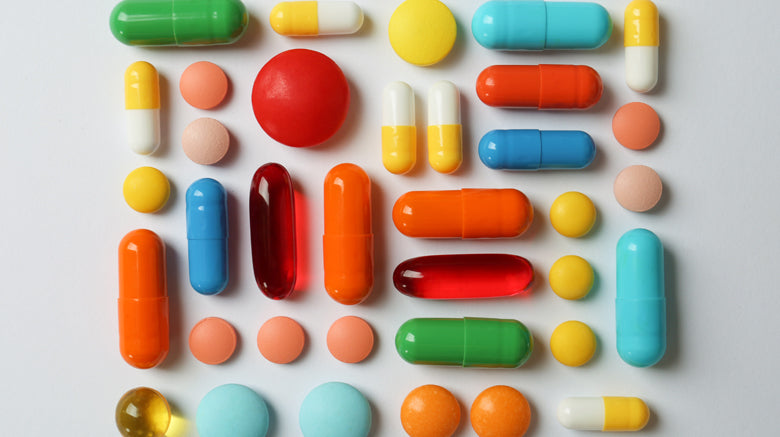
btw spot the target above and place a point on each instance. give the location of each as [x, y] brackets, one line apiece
[532, 149]
[207, 236]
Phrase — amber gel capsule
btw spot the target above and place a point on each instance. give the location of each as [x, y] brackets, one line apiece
[472, 276]
[272, 230]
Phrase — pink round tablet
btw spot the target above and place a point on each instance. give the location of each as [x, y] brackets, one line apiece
[280, 340]
[205, 141]
[636, 125]
[638, 188]
[203, 85]
[350, 339]
[213, 340]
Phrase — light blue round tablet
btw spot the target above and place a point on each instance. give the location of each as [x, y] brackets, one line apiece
[232, 410]
[335, 409]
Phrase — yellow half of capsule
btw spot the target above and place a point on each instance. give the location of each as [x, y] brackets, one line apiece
[399, 148]
[625, 413]
[295, 18]
[142, 86]
[445, 150]
[641, 24]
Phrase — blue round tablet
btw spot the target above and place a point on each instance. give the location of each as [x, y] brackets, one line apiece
[335, 409]
[232, 410]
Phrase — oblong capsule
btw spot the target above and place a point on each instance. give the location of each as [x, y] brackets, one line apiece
[539, 25]
[532, 149]
[309, 18]
[272, 230]
[178, 22]
[468, 276]
[399, 132]
[143, 299]
[207, 236]
[465, 213]
[606, 413]
[641, 42]
[142, 107]
[540, 86]
[467, 342]
[445, 143]
[348, 240]
[640, 306]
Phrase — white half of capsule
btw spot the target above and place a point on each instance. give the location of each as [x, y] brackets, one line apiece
[143, 130]
[584, 414]
[398, 105]
[338, 18]
[641, 68]
[443, 104]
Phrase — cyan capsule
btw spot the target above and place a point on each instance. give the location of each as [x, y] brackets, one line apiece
[532, 149]
[207, 233]
[640, 307]
[539, 25]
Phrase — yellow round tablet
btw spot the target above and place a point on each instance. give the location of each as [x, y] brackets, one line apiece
[573, 343]
[571, 277]
[573, 214]
[146, 189]
[422, 32]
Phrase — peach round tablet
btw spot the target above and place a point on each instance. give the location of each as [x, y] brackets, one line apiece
[638, 188]
[430, 411]
[203, 85]
[636, 125]
[350, 339]
[281, 340]
[213, 340]
[500, 411]
[205, 141]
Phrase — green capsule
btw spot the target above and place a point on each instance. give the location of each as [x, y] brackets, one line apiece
[178, 22]
[468, 342]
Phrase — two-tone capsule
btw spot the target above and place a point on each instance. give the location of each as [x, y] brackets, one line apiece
[540, 86]
[606, 413]
[532, 149]
[399, 132]
[641, 42]
[207, 236]
[310, 18]
[445, 143]
[142, 107]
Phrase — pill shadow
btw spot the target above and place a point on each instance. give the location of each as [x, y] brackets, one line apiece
[653, 422]
[533, 423]
[379, 217]
[233, 153]
[252, 35]
[663, 202]
[537, 228]
[466, 165]
[538, 356]
[177, 330]
[366, 29]
[351, 123]
[302, 246]
[663, 57]
[231, 90]
[234, 254]
[606, 104]
[166, 145]
[179, 426]
[172, 197]
[458, 51]
[599, 163]
[673, 347]
[376, 419]
[273, 418]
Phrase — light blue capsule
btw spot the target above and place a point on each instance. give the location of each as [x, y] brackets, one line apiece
[207, 234]
[532, 149]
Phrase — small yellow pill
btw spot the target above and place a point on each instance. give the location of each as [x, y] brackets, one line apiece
[146, 189]
[573, 343]
[143, 412]
[422, 32]
[573, 214]
[571, 277]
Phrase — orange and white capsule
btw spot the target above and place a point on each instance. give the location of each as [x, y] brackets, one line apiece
[445, 144]
[641, 42]
[310, 18]
[399, 133]
[142, 106]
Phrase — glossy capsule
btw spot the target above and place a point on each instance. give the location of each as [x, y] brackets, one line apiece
[207, 236]
[471, 276]
[348, 243]
[540, 86]
[310, 18]
[465, 213]
[641, 42]
[143, 299]
[399, 133]
[445, 143]
[272, 230]
[532, 149]
[142, 107]
[605, 413]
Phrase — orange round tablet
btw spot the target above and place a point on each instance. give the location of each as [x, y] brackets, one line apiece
[203, 85]
[638, 188]
[280, 340]
[636, 125]
[350, 339]
[213, 340]
[205, 141]
[430, 411]
[500, 411]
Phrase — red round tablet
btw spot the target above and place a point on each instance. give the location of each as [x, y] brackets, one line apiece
[300, 98]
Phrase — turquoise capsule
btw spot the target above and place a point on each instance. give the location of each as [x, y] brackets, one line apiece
[539, 25]
[640, 306]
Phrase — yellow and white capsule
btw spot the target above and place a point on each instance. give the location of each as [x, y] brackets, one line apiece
[641, 41]
[399, 133]
[445, 149]
[607, 413]
[142, 106]
[310, 18]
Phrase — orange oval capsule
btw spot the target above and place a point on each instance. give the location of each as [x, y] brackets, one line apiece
[143, 299]
[466, 213]
[348, 243]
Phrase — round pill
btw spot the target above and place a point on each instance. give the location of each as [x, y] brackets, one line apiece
[422, 32]
[430, 411]
[335, 409]
[144, 412]
[280, 340]
[203, 85]
[573, 214]
[350, 339]
[500, 411]
[573, 343]
[146, 189]
[638, 188]
[213, 340]
[636, 125]
[205, 141]
[232, 410]
[571, 277]
[300, 98]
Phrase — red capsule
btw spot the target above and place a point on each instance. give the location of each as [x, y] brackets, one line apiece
[272, 230]
[473, 276]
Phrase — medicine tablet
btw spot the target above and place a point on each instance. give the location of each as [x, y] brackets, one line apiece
[335, 409]
[350, 339]
[430, 411]
[213, 340]
[571, 277]
[638, 188]
[205, 141]
[636, 125]
[422, 32]
[143, 411]
[500, 411]
[203, 85]
[573, 214]
[573, 343]
[232, 410]
[146, 189]
[281, 340]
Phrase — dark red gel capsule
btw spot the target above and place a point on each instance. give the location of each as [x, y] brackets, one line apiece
[472, 276]
[272, 229]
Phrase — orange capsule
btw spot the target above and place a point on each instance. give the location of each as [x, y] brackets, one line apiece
[348, 243]
[466, 213]
[143, 299]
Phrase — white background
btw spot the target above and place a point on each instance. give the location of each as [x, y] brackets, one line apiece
[65, 157]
